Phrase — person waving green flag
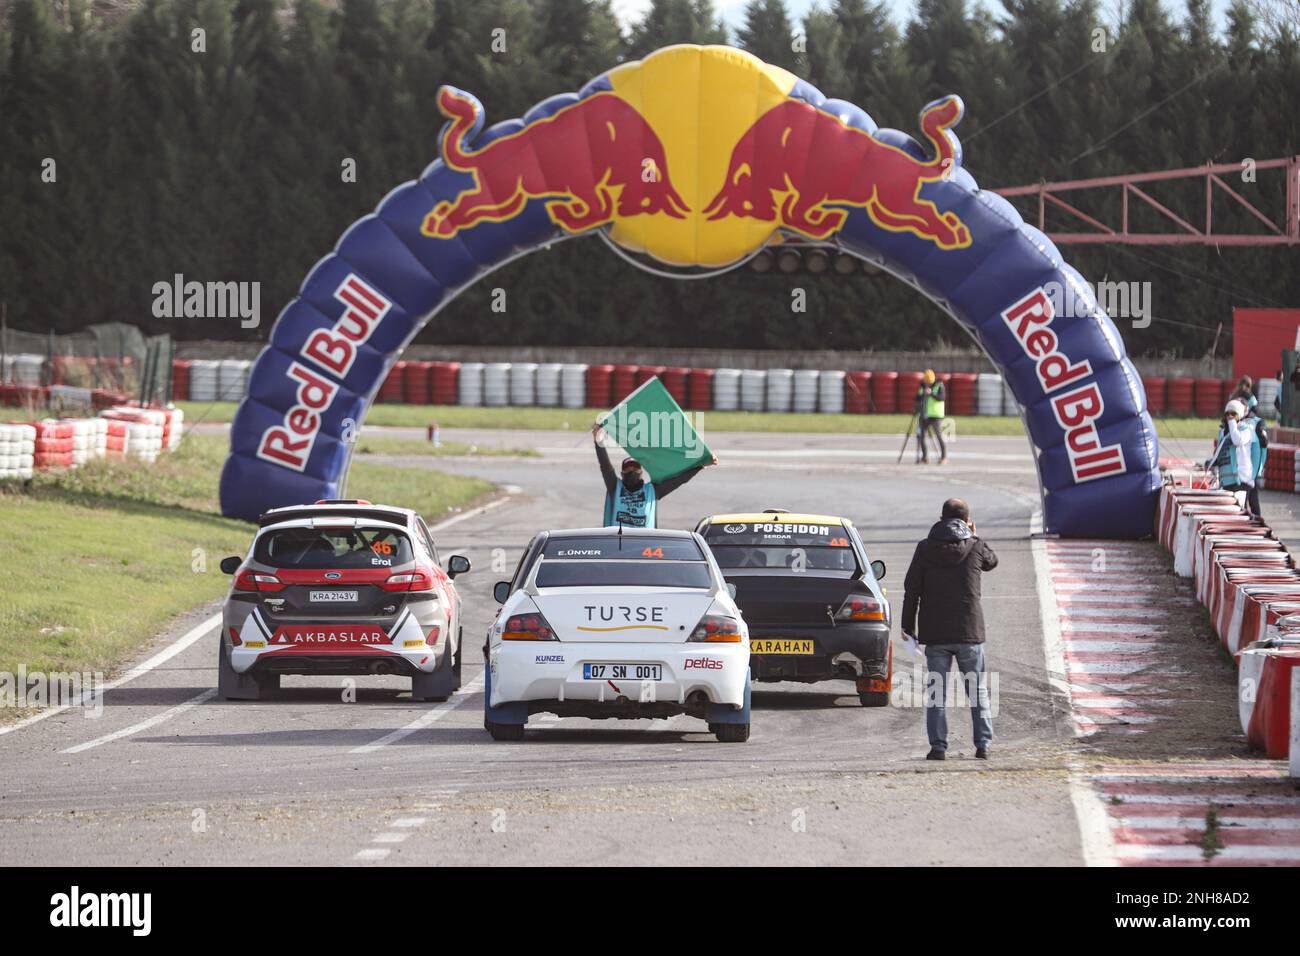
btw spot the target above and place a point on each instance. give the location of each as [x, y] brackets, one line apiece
[660, 439]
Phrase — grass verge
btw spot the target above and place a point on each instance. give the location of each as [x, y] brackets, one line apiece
[462, 416]
[97, 560]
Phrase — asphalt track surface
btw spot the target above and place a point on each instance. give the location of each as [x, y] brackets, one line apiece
[171, 775]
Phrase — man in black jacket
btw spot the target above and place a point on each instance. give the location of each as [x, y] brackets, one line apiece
[944, 581]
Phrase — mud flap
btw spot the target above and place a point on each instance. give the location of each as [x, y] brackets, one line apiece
[724, 714]
[515, 712]
[439, 684]
[232, 685]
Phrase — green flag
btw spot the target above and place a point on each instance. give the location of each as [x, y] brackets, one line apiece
[651, 427]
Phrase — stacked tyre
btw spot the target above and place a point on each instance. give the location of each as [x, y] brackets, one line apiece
[496, 384]
[858, 395]
[830, 392]
[805, 395]
[600, 386]
[17, 451]
[753, 390]
[988, 394]
[204, 380]
[444, 383]
[573, 386]
[699, 394]
[884, 392]
[726, 389]
[780, 389]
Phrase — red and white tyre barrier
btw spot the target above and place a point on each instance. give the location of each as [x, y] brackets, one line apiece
[145, 430]
[1264, 697]
[17, 451]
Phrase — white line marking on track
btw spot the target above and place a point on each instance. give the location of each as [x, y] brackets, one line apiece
[509, 491]
[1050, 618]
[153, 721]
[372, 853]
[167, 653]
[407, 822]
[1095, 837]
[431, 716]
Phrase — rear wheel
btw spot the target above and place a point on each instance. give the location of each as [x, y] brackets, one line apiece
[731, 733]
[874, 698]
[505, 732]
[460, 656]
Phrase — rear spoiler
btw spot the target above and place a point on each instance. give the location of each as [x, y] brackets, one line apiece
[309, 511]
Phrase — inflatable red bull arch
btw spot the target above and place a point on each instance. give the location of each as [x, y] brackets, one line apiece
[700, 156]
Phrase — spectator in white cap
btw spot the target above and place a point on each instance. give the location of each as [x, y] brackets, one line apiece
[1239, 456]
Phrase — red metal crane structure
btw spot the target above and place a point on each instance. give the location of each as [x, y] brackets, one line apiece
[1283, 233]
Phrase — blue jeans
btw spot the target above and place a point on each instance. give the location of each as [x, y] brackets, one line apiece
[938, 664]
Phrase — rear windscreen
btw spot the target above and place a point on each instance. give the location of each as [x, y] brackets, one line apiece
[795, 559]
[671, 574]
[333, 548]
[790, 534]
[623, 548]
[791, 545]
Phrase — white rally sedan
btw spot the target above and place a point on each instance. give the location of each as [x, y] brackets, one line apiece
[609, 622]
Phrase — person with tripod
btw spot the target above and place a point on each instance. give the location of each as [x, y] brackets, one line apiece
[928, 412]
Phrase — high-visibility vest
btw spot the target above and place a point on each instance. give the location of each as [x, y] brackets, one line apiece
[632, 509]
[933, 399]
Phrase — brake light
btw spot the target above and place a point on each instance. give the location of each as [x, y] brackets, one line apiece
[716, 629]
[531, 626]
[234, 637]
[342, 501]
[421, 579]
[247, 580]
[860, 607]
[432, 638]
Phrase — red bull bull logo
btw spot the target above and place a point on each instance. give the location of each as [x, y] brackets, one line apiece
[774, 175]
[623, 170]
[666, 160]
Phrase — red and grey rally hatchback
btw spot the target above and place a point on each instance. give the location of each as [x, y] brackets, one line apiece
[341, 587]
